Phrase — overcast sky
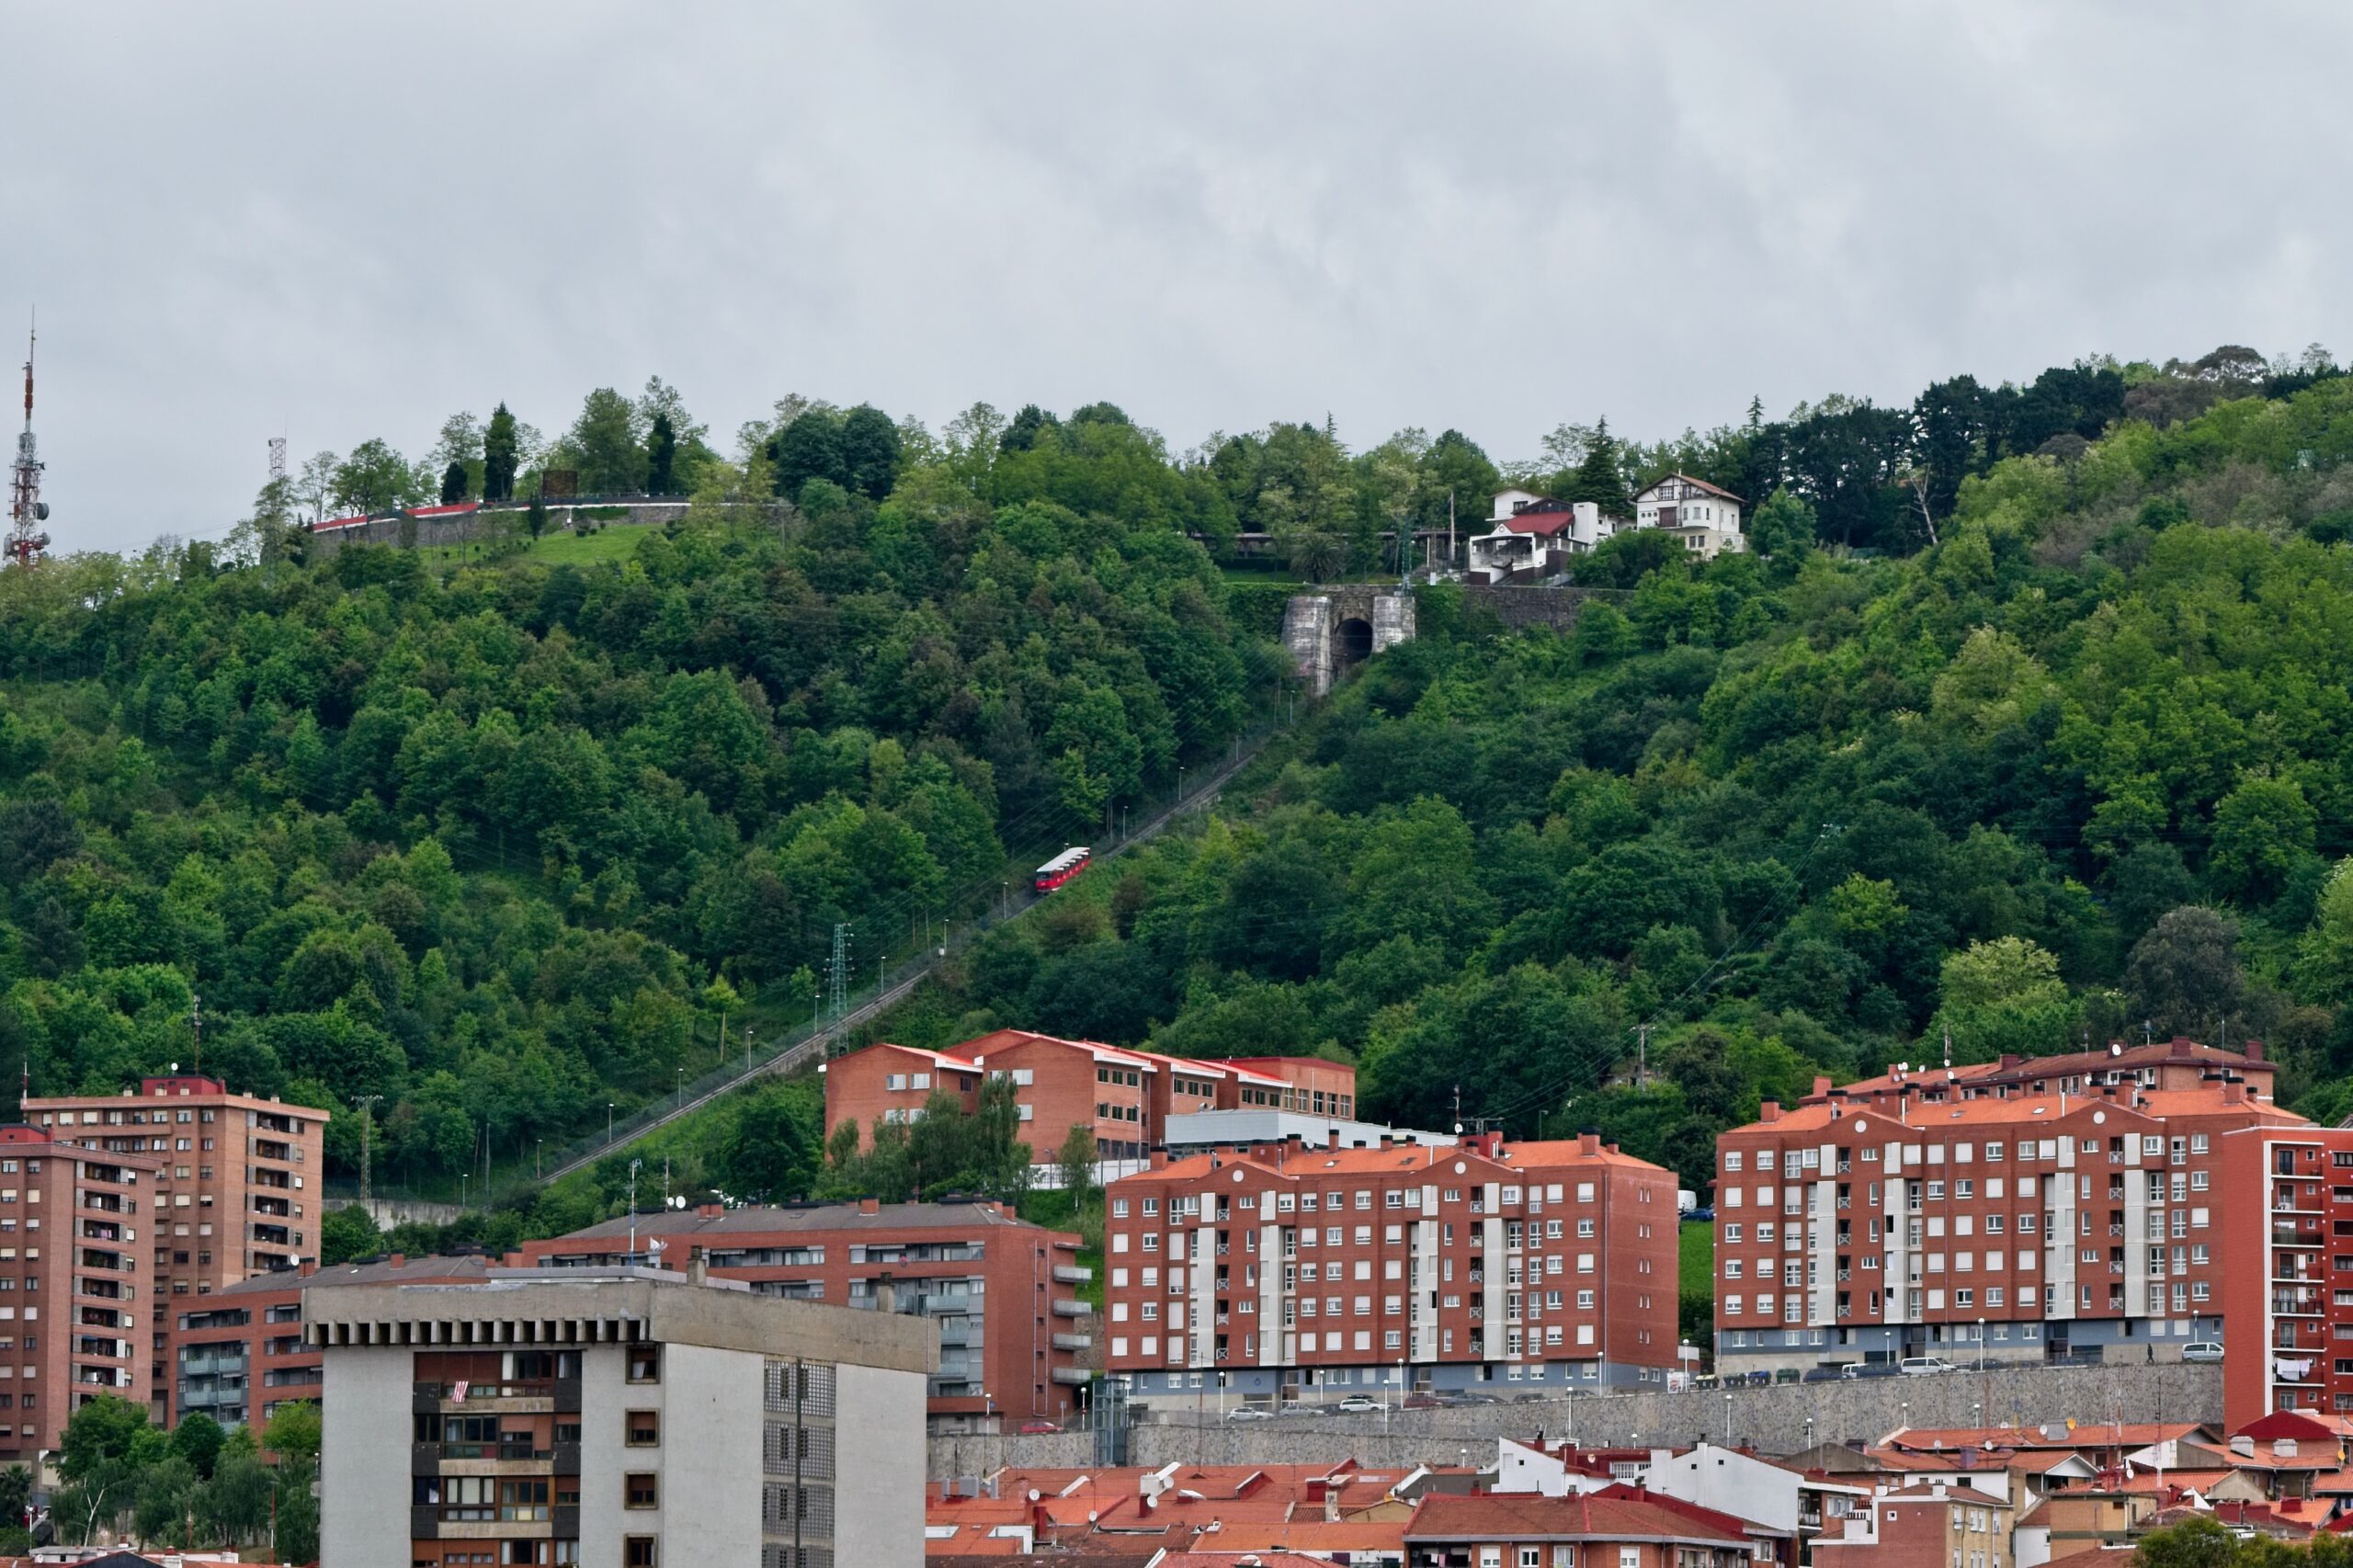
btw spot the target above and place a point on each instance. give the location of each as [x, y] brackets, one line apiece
[238, 220]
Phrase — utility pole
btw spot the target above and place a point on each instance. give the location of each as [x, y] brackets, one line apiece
[196, 1028]
[366, 1120]
[1641, 1054]
[633, 1212]
[837, 975]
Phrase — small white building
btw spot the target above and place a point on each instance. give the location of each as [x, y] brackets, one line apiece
[1707, 518]
[1532, 537]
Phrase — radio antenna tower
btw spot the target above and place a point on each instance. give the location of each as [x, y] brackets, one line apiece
[277, 459]
[26, 510]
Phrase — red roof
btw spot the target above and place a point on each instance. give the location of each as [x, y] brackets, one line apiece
[1614, 1513]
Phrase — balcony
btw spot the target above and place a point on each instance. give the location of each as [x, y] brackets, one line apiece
[1072, 1274]
[1064, 1307]
[1073, 1377]
[1073, 1341]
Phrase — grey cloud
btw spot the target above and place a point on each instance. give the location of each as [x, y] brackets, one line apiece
[349, 220]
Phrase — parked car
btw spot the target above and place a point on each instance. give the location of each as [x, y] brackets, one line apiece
[1924, 1366]
[1034, 1427]
[1823, 1374]
[1701, 1215]
[1357, 1404]
[1249, 1413]
[1475, 1399]
[2203, 1350]
[1424, 1401]
[1533, 1397]
[1853, 1369]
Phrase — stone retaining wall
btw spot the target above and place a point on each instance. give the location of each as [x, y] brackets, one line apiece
[1519, 606]
[1774, 1419]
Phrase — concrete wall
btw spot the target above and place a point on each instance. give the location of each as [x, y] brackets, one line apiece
[604, 1458]
[712, 1424]
[878, 1512]
[363, 1461]
[1773, 1419]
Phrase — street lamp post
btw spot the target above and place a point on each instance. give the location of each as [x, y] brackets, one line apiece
[1980, 1345]
[539, 1151]
[609, 1124]
[1727, 1421]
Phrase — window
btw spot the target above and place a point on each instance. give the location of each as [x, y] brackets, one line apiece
[645, 1363]
[641, 1491]
[637, 1551]
[644, 1429]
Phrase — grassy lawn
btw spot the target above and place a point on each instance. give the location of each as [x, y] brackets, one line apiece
[611, 541]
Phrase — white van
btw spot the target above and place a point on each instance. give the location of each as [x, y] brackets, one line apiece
[1923, 1366]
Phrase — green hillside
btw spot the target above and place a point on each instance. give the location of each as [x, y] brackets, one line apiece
[510, 843]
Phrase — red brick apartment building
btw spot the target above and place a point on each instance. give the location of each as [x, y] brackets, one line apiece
[239, 1354]
[2021, 1210]
[2288, 1272]
[1297, 1270]
[1933, 1523]
[70, 1325]
[1125, 1097]
[236, 1189]
[1014, 1335]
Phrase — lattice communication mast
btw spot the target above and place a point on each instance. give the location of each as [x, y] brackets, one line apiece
[26, 510]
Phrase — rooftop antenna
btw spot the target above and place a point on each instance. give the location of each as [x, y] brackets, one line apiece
[26, 510]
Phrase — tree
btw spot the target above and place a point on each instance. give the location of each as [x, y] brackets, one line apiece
[294, 1431]
[2193, 1543]
[296, 1513]
[315, 484]
[15, 1495]
[1077, 1160]
[2003, 997]
[660, 456]
[870, 452]
[453, 483]
[2262, 830]
[106, 1430]
[771, 1154]
[198, 1440]
[2183, 977]
[809, 448]
[535, 518]
[501, 454]
[604, 442]
[346, 1233]
[374, 478]
[1784, 527]
[1598, 478]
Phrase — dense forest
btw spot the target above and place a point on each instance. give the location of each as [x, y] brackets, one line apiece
[2023, 724]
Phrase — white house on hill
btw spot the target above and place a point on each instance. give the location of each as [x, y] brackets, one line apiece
[1707, 518]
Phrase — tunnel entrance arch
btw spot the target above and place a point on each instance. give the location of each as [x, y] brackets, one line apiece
[1331, 629]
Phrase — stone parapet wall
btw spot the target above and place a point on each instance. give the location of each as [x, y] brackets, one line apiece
[1774, 1419]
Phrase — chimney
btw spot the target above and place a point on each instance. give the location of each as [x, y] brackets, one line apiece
[2233, 1092]
[2255, 1050]
[397, 1259]
[309, 1266]
[1822, 1084]
[1158, 1158]
[1588, 1144]
[1332, 1138]
[1771, 1110]
[710, 1210]
[869, 1206]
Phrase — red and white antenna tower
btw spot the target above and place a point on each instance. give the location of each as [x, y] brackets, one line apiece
[26, 510]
